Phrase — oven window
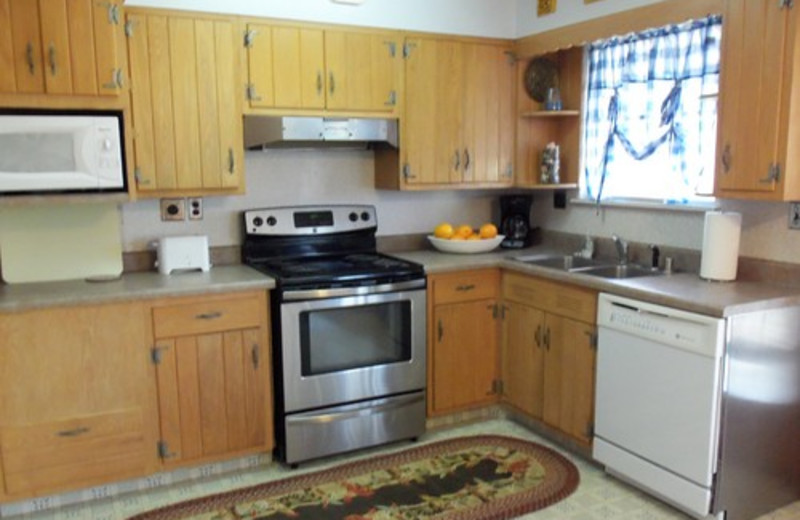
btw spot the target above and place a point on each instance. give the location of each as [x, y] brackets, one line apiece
[332, 340]
[37, 152]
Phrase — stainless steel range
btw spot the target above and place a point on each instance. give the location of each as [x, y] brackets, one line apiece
[348, 329]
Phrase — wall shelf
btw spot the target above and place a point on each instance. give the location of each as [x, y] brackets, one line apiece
[550, 113]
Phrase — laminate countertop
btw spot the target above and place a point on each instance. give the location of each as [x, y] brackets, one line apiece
[686, 291]
[132, 286]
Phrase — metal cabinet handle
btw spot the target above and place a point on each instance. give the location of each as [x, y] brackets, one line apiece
[773, 175]
[456, 160]
[75, 432]
[251, 93]
[255, 356]
[726, 158]
[465, 288]
[332, 83]
[547, 339]
[439, 331]
[113, 14]
[319, 83]
[538, 336]
[116, 80]
[51, 55]
[208, 316]
[231, 161]
[392, 99]
[466, 159]
[29, 58]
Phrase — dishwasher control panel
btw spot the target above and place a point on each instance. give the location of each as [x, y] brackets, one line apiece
[696, 333]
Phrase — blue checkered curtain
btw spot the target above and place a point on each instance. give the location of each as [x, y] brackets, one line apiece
[643, 93]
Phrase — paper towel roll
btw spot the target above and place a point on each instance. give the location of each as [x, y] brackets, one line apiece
[720, 246]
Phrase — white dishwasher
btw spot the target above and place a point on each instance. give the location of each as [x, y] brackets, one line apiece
[658, 399]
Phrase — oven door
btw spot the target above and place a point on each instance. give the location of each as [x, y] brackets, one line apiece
[351, 348]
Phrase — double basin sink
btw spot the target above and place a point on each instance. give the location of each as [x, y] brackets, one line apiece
[589, 266]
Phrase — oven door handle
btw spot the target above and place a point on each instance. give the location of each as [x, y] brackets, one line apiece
[339, 292]
[357, 410]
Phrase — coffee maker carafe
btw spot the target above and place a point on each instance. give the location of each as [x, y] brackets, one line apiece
[515, 211]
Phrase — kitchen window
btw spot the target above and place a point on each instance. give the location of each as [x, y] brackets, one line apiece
[651, 111]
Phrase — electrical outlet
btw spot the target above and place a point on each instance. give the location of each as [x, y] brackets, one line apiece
[173, 209]
[195, 208]
[794, 215]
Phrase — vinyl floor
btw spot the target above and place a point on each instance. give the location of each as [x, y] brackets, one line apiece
[598, 497]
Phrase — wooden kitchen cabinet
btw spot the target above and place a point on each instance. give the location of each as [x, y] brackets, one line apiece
[758, 103]
[63, 47]
[548, 352]
[186, 103]
[457, 130]
[537, 127]
[212, 364]
[462, 340]
[77, 399]
[324, 70]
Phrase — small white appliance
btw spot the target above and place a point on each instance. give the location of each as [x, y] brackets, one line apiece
[61, 151]
[187, 253]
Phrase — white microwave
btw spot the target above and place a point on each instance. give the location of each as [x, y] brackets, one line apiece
[65, 152]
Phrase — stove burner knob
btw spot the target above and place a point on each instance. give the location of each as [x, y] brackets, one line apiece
[364, 216]
[353, 216]
[271, 221]
[258, 222]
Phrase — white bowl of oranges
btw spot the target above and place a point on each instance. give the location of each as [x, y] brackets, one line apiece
[464, 239]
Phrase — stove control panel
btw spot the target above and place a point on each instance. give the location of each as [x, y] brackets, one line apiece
[310, 220]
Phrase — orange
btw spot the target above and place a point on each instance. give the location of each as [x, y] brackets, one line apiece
[464, 231]
[474, 236]
[457, 237]
[444, 230]
[488, 231]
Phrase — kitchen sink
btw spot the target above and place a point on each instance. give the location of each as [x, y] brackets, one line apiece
[562, 262]
[620, 271]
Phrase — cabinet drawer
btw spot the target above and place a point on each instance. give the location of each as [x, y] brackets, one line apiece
[465, 286]
[565, 300]
[211, 315]
[73, 452]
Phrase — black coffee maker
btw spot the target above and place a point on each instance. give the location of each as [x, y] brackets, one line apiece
[515, 213]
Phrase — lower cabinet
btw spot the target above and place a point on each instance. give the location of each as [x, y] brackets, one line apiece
[462, 340]
[76, 398]
[549, 352]
[212, 364]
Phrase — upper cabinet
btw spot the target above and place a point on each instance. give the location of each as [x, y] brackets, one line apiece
[457, 129]
[64, 47]
[292, 68]
[186, 104]
[759, 102]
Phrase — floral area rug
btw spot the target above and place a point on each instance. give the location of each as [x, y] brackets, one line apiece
[468, 478]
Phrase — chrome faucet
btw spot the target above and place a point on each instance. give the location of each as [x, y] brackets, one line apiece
[622, 249]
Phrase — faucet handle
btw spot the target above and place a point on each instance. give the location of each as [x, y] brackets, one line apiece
[656, 253]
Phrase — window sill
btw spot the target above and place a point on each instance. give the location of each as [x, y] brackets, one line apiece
[685, 207]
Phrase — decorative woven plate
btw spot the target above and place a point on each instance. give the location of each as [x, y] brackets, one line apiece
[540, 75]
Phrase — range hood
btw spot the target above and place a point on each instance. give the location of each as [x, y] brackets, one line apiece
[298, 132]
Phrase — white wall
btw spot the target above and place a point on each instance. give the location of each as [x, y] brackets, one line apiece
[289, 177]
[765, 232]
[569, 12]
[490, 18]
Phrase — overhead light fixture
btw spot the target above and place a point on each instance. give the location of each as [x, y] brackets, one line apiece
[348, 2]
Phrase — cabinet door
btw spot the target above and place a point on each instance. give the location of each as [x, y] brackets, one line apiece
[569, 376]
[523, 358]
[361, 71]
[186, 110]
[76, 400]
[431, 132]
[56, 48]
[751, 79]
[286, 67]
[488, 115]
[213, 394]
[21, 51]
[464, 355]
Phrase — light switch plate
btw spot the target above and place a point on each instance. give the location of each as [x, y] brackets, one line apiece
[794, 215]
